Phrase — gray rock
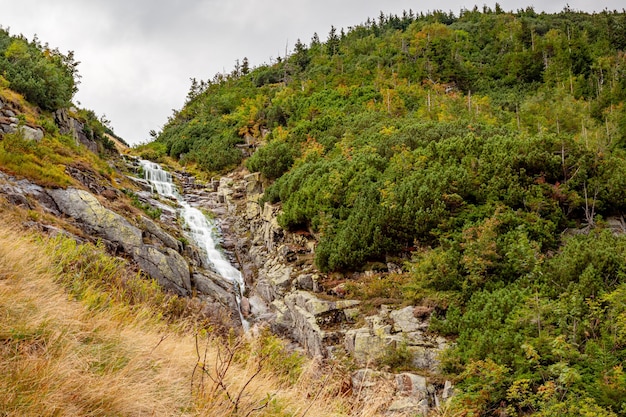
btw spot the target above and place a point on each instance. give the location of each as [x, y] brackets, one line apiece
[412, 385]
[404, 321]
[24, 188]
[86, 208]
[155, 230]
[307, 282]
[448, 391]
[69, 125]
[210, 284]
[169, 268]
[30, 133]
[8, 113]
[408, 406]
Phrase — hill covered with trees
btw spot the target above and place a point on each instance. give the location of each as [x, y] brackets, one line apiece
[485, 153]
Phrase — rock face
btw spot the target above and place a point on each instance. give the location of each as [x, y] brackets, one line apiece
[10, 123]
[166, 265]
[392, 328]
[69, 125]
[85, 207]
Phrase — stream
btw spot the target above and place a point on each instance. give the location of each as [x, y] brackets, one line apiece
[201, 230]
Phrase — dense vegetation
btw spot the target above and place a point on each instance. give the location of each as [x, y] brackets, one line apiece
[36, 81]
[489, 149]
[44, 76]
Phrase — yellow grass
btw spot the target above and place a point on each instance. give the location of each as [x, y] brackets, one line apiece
[67, 351]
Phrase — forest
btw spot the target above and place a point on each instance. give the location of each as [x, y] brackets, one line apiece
[485, 153]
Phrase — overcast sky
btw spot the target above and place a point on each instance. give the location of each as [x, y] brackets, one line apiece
[137, 56]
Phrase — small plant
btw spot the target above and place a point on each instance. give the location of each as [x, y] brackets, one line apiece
[152, 212]
[398, 357]
[211, 382]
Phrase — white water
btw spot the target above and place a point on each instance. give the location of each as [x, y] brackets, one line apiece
[201, 230]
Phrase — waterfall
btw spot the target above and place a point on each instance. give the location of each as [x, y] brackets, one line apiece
[199, 229]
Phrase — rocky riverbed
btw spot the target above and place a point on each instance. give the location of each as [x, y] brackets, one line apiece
[287, 293]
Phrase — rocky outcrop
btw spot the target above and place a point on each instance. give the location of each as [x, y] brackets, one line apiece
[165, 265]
[85, 208]
[10, 123]
[26, 194]
[75, 128]
[153, 230]
[392, 328]
[287, 292]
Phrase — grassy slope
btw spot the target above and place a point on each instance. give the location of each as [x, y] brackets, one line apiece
[81, 335]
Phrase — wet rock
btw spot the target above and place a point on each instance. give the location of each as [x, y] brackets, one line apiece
[215, 287]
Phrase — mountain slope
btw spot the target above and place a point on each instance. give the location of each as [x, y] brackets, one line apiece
[473, 165]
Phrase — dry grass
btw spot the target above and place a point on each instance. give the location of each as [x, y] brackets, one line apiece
[70, 346]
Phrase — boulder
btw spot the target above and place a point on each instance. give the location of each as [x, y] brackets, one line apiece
[165, 265]
[85, 207]
[30, 133]
[405, 321]
[412, 385]
[169, 268]
[155, 230]
[408, 406]
[213, 286]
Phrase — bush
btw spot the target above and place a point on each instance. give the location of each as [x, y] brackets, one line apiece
[272, 160]
[45, 77]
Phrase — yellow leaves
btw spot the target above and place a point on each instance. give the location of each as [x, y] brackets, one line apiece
[530, 353]
[246, 117]
[311, 149]
[388, 130]
[18, 49]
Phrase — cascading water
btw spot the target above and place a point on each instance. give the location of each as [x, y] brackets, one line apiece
[200, 230]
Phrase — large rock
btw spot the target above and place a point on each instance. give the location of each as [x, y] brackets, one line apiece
[404, 320]
[85, 207]
[169, 268]
[215, 287]
[18, 191]
[155, 230]
[165, 265]
[30, 133]
[69, 125]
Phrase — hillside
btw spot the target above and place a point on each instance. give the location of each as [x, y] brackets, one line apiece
[470, 165]
[106, 307]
